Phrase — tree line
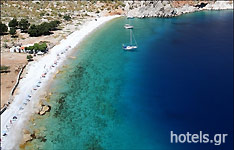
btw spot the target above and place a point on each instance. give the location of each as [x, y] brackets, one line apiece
[23, 25]
[44, 28]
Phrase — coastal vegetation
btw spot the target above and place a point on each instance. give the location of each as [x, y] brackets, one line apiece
[67, 17]
[3, 28]
[12, 31]
[24, 25]
[29, 57]
[13, 23]
[43, 28]
[4, 69]
[37, 47]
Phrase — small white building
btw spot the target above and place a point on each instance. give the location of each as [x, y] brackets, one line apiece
[40, 53]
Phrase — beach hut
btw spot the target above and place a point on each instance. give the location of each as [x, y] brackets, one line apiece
[12, 49]
[22, 49]
[17, 48]
[21, 108]
[14, 117]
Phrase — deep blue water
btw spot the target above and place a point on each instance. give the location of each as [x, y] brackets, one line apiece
[180, 79]
[183, 78]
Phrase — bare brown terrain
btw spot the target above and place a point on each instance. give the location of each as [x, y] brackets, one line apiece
[8, 80]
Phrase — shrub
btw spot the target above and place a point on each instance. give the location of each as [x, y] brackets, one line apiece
[13, 23]
[67, 17]
[42, 14]
[54, 24]
[29, 57]
[3, 28]
[4, 69]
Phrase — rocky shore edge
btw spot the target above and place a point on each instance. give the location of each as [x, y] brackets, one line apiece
[31, 135]
[142, 9]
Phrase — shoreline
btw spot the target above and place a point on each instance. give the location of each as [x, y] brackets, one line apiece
[39, 74]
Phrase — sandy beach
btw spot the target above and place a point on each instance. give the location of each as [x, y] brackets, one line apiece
[38, 75]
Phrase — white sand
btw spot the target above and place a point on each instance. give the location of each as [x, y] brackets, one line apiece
[26, 85]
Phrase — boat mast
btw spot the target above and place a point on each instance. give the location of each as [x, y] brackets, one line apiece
[134, 39]
[130, 36]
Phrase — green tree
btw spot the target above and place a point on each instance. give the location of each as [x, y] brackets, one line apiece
[30, 48]
[36, 46]
[33, 30]
[42, 47]
[24, 24]
[3, 28]
[12, 31]
[43, 29]
[13, 23]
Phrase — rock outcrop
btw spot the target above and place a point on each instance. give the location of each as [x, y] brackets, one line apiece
[141, 9]
[27, 136]
[44, 109]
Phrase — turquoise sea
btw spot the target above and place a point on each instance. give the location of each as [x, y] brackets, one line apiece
[179, 79]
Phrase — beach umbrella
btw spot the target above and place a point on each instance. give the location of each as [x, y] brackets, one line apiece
[14, 117]
[4, 133]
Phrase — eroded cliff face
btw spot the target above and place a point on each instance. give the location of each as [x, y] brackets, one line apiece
[158, 8]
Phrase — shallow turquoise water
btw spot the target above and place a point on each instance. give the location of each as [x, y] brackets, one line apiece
[107, 98]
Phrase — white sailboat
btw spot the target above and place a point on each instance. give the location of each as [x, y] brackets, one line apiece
[131, 45]
[130, 17]
[128, 26]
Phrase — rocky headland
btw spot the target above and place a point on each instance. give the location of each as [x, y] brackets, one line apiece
[141, 9]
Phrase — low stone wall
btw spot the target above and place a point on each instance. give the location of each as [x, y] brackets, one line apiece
[13, 90]
[18, 79]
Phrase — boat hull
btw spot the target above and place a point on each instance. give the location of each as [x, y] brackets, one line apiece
[129, 48]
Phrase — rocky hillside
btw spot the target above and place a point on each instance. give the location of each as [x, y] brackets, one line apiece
[158, 8]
